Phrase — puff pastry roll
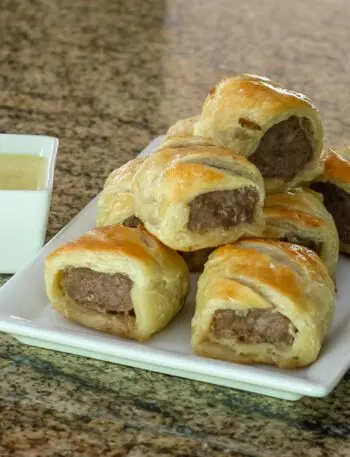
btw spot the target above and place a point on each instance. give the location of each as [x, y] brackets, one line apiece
[119, 280]
[115, 203]
[183, 128]
[198, 197]
[278, 129]
[299, 216]
[184, 141]
[181, 134]
[263, 301]
[334, 184]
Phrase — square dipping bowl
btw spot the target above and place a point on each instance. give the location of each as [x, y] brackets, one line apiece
[24, 213]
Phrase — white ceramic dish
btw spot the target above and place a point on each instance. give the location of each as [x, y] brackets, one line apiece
[26, 313]
[24, 213]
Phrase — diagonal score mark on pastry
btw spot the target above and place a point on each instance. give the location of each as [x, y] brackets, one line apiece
[254, 325]
[119, 280]
[263, 301]
[334, 185]
[257, 325]
[225, 208]
[295, 134]
[115, 203]
[299, 216]
[279, 130]
[218, 208]
[196, 197]
[115, 206]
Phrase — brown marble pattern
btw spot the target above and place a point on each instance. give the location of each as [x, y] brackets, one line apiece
[106, 77]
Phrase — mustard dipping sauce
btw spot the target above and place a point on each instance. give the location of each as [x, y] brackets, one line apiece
[22, 172]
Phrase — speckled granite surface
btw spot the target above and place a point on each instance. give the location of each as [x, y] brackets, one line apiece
[106, 77]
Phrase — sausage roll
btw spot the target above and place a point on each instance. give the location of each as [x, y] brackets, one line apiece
[115, 203]
[263, 301]
[299, 216]
[277, 129]
[198, 197]
[115, 206]
[183, 127]
[117, 279]
[181, 134]
[334, 184]
[184, 141]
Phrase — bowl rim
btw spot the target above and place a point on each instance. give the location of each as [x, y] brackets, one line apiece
[51, 148]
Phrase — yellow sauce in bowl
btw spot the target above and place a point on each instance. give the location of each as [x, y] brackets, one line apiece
[22, 172]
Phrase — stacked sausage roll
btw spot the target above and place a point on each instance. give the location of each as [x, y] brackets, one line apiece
[226, 194]
[299, 216]
[117, 279]
[262, 301]
[279, 130]
[334, 185]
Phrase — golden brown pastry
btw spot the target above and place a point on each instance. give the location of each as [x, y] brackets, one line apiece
[115, 203]
[263, 301]
[184, 141]
[181, 134]
[198, 197]
[334, 184]
[183, 127]
[277, 129]
[115, 206]
[119, 280]
[299, 216]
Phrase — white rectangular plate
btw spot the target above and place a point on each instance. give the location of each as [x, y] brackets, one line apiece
[26, 314]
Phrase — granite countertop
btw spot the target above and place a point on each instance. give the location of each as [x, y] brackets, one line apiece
[106, 77]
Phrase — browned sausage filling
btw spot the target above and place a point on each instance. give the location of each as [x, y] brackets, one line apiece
[311, 244]
[284, 149]
[102, 292]
[251, 327]
[222, 208]
[337, 202]
[132, 221]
